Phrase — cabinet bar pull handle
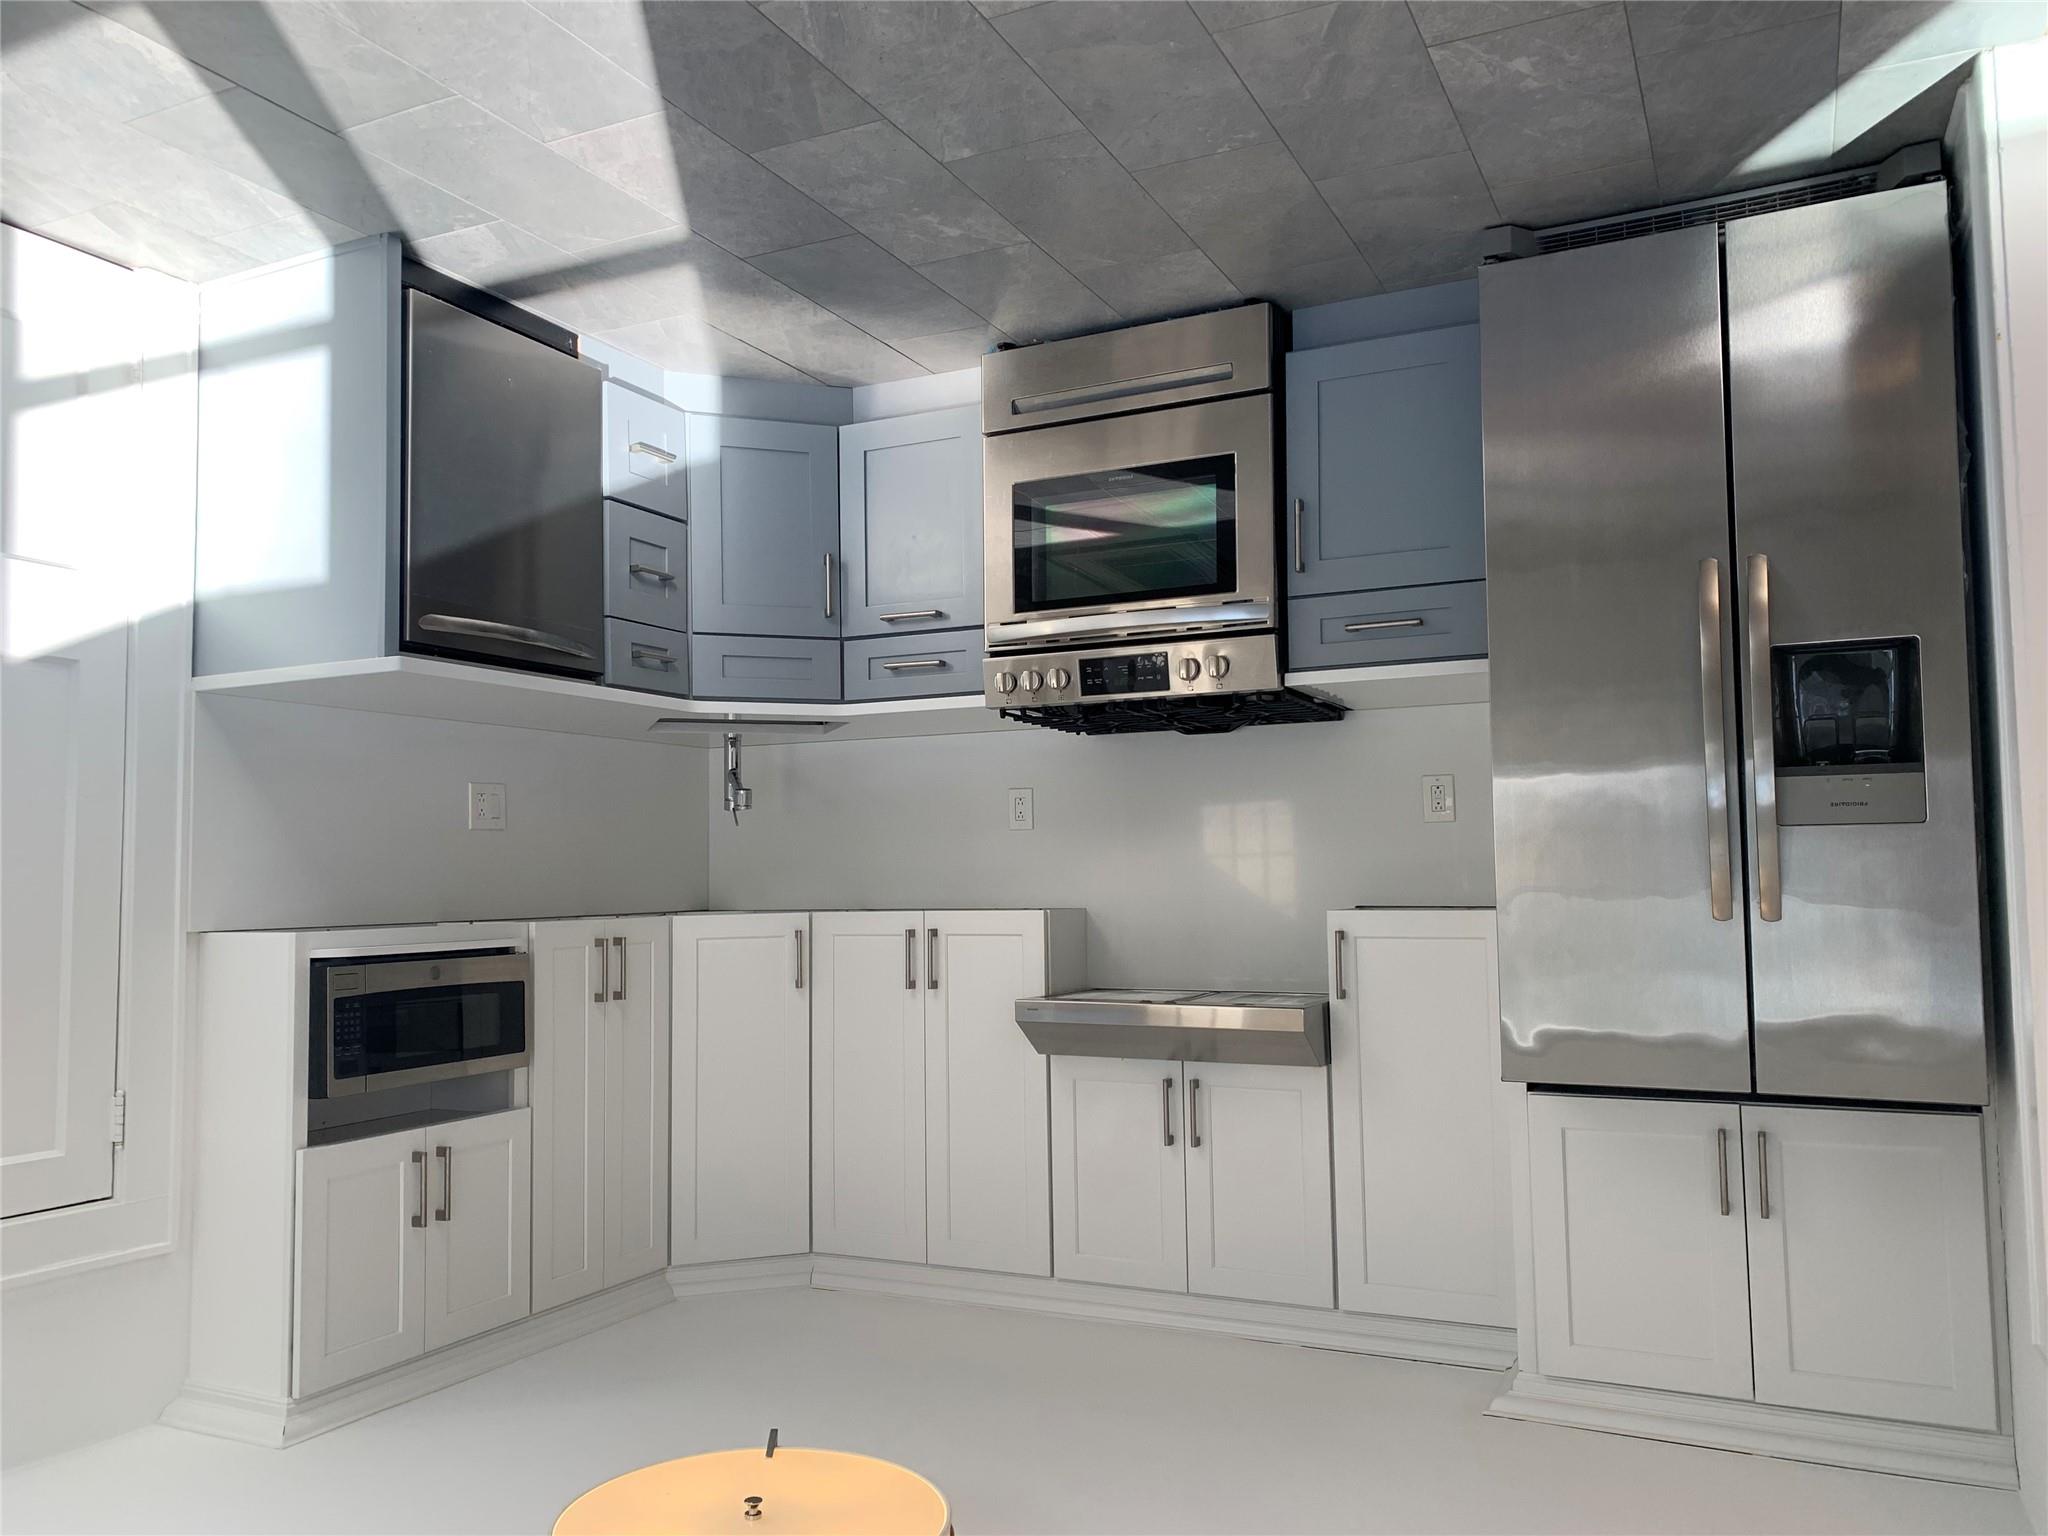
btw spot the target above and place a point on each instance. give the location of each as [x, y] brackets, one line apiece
[1720, 868]
[447, 1211]
[1362, 625]
[654, 656]
[1721, 1148]
[659, 455]
[653, 573]
[797, 943]
[931, 957]
[911, 614]
[1763, 761]
[1165, 1109]
[1763, 1179]
[419, 1164]
[829, 584]
[910, 959]
[1337, 962]
[1194, 1111]
[922, 664]
[1300, 564]
[604, 972]
[619, 985]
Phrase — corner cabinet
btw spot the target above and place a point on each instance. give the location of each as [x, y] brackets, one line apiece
[764, 530]
[910, 523]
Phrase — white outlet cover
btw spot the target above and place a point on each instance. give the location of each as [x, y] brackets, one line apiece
[1439, 797]
[1017, 815]
[486, 807]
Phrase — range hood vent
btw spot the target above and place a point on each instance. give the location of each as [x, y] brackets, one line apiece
[1204, 715]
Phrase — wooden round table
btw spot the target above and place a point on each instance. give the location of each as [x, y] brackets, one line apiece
[800, 1493]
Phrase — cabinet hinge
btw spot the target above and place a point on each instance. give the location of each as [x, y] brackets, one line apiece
[117, 1118]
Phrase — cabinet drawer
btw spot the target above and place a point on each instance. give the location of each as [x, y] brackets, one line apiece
[643, 451]
[748, 667]
[647, 657]
[1363, 629]
[914, 666]
[646, 567]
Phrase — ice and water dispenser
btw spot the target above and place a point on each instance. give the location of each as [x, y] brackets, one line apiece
[1847, 721]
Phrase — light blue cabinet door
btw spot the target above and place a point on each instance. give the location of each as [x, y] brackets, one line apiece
[1396, 624]
[910, 522]
[760, 667]
[643, 451]
[1383, 463]
[764, 528]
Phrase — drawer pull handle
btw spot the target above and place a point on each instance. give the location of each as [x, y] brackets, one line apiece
[652, 573]
[652, 656]
[923, 664]
[911, 615]
[659, 455]
[1364, 624]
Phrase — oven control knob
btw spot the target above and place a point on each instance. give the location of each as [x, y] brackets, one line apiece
[1006, 682]
[1061, 677]
[1034, 680]
[1218, 665]
[1190, 668]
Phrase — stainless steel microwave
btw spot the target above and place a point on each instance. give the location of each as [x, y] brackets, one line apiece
[392, 1021]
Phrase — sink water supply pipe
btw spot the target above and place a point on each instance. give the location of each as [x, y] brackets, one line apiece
[737, 796]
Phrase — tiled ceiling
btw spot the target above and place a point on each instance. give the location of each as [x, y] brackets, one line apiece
[860, 192]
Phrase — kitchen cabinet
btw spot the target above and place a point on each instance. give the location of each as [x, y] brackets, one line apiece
[1397, 625]
[644, 441]
[643, 657]
[1119, 1173]
[913, 666]
[646, 567]
[1383, 463]
[740, 1175]
[1420, 1120]
[408, 1242]
[764, 667]
[598, 1084]
[764, 528]
[910, 522]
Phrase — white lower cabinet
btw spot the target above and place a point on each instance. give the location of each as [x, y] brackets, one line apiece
[740, 1176]
[636, 1107]
[403, 1247]
[1815, 1258]
[1203, 1178]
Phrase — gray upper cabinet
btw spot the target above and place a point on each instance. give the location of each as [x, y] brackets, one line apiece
[764, 528]
[643, 451]
[910, 522]
[1383, 464]
[646, 567]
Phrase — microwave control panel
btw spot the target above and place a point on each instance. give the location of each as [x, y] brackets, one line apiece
[348, 1037]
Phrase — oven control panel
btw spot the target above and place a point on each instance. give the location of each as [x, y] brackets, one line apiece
[1226, 664]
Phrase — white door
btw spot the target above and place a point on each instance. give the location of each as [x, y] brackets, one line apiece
[988, 1180]
[741, 1161]
[636, 1100]
[1119, 1179]
[1869, 1271]
[1258, 1179]
[565, 1085]
[1641, 1276]
[480, 1224]
[867, 1085]
[1420, 1118]
[63, 759]
[362, 1241]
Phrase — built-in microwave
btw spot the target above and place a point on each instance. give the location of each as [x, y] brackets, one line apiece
[393, 1021]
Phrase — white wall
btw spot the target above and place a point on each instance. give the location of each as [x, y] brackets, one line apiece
[1206, 861]
[305, 817]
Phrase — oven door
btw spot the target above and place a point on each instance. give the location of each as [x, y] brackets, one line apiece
[1160, 523]
[391, 1024]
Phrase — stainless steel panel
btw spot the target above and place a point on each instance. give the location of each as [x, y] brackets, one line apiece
[1843, 399]
[1171, 362]
[1190, 669]
[1271, 1029]
[1605, 489]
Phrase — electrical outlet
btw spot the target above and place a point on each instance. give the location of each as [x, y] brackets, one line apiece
[1020, 810]
[486, 807]
[1439, 797]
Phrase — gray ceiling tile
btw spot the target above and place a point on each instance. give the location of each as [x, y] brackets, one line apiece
[1442, 21]
[1566, 199]
[935, 68]
[137, 239]
[1253, 212]
[1222, 15]
[1023, 291]
[483, 159]
[297, 235]
[30, 198]
[297, 55]
[893, 192]
[1742, 110]
[273, 148]
[1418, 220]
[688, 345]
[1004, 7]
[859, 281]
[723, 63]
[950, 351]
[1548, 97]
[94, 65]
[489, 254]
[1185, 283]
[682, 169]
[1319, 282]
[1658, 25]
[1075, 201]
[1346, 86]
[1145, 76]
[1881, 110]
[1881, 32]
[506, 56]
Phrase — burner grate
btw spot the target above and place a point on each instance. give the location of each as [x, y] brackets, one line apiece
[1204, 716]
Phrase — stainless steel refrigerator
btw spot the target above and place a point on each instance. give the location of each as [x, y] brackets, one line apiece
[1734, 796]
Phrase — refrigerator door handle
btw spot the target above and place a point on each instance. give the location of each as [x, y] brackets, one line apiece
[1763, 763]
[1720, 859]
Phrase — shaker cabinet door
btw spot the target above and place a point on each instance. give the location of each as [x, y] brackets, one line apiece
[1119, 1173]
[480, 1224]
[643, 451]
[764, 528]
[910, 522]
[1258, 1161]
[362, 1243]
[636, 1100]
[565, 1085]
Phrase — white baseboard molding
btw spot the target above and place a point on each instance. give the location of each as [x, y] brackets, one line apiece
[1791, 1434]
[256, 1420]
[741, 1275]
[1466, 1344]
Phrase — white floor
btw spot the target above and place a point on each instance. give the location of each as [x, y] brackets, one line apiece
[1028, 1424]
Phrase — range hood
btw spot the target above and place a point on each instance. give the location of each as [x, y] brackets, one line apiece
[1283, 1029]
